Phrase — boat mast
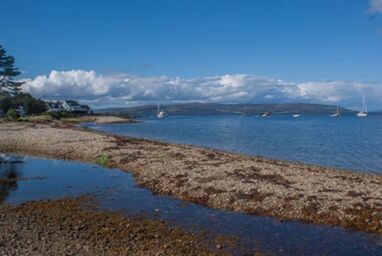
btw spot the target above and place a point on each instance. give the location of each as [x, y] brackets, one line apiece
[364, 107]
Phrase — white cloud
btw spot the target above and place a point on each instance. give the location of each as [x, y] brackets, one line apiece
[125, 89]
[375, 6]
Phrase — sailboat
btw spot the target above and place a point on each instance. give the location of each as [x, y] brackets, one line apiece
[337, 114]
[160, 113]
[245, 113]
[363, 112]
[266, 114]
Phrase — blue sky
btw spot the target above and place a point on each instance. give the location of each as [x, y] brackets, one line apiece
[296, 41]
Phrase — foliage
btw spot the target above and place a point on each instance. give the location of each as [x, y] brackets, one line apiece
[10, 90]
[5, 103]
[30, 104]
[12, 114]
[24, 119]
[7, 74]
[62, 114]
[103, 160]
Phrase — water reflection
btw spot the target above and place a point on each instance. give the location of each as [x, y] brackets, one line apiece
[10, 159]
[10, 171]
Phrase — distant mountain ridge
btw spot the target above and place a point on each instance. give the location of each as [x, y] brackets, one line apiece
[225, 109]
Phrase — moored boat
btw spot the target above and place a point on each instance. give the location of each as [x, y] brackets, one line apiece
[160, 113]
[363, 112]
[337, 114]
[265, 114]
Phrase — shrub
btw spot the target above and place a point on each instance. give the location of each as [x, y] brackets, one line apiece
[24, 119]
[55, 115]
[62, 114]
[12, 114]
[66, 114]
[103, 160]
[35, 106]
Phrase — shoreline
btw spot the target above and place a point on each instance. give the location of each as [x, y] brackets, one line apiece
[255, 156]
[74, 226]
[214, 178]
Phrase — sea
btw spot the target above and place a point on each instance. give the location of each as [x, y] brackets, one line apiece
[348, 142]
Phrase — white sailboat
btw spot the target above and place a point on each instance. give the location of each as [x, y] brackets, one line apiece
[245, 113]
[295, 115]
[363, 112]
[337, 114]
[160, 113]
[266, 114]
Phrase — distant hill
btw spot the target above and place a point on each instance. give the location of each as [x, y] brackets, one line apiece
[224, 109]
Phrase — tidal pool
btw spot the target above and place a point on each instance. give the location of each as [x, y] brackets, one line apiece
[36, 179]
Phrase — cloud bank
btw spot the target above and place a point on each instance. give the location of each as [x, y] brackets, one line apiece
[127, 90]
[375, 6]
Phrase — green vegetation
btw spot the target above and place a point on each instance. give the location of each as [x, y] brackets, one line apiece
[62, 115]
[12, 100]
[103, 160]
[30, 105]
[12, 115]
[7, 74]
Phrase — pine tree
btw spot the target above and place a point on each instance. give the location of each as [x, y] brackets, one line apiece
[7, 74]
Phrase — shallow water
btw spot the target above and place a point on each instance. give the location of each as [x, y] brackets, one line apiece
[117, 190]
[348, 142]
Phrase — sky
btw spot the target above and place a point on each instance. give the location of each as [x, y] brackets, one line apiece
[121, 53]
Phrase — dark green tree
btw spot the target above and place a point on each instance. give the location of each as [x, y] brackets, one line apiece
[7, 74]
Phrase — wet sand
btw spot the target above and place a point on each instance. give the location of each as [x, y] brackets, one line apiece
[217, 179]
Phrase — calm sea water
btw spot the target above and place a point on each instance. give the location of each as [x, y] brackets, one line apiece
[37, 179]
[347, 142]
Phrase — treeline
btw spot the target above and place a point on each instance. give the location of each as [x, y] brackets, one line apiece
[13, 102]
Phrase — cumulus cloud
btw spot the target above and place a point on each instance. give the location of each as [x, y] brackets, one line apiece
[375, 6]
[126, 89]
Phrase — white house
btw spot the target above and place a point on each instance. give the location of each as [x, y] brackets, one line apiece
[67, 105]
[54, 106]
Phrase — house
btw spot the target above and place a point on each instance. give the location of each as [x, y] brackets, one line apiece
[67, 105]
[54, 106]
[73, 106]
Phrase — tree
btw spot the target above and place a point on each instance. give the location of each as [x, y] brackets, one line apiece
[29, 103]
[5, 103]
[7, 74]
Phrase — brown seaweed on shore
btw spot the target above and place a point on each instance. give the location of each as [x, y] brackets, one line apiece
[74, 227]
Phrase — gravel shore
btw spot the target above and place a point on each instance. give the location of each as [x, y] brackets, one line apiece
[71, 227]
[218, 179]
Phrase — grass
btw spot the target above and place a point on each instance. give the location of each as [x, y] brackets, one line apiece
[41, 119]
[103, 160]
